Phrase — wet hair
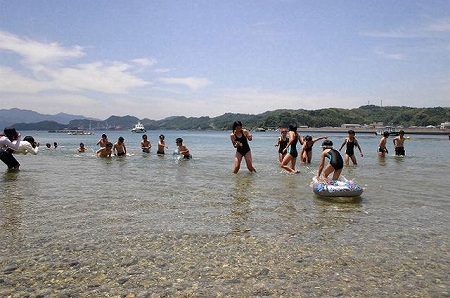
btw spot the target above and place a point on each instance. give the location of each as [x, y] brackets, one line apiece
[30, 140]
[292, 127]
[11, 133]
[179, 140]
[55, 144]
[104, 136]
[109, 144]
[48, 145]
[401, 132]
[161, 136]
[386, 134]
[121, 139]
[351, 132]
[327, 144]
[236, 124]
[81, 145]
[144, 136]
[308, 138]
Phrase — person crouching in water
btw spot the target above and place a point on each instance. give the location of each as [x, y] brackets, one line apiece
[28, 145]
[182, 149]
[336, 162]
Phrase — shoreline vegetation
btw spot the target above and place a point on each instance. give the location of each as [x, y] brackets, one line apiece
[418, 131]
[306, 130]
[365, 119]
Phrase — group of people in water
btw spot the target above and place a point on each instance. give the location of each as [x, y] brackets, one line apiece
[288, 153]
[119, 149]
[10, 142]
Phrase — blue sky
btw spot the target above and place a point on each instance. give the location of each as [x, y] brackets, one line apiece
[154, 59]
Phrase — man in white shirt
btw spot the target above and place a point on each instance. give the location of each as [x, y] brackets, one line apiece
[10, 140]
[28, 145]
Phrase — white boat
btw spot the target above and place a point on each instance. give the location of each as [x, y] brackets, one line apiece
[138, 128]
[390, 129]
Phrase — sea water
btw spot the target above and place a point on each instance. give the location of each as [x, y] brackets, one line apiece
[74, 225]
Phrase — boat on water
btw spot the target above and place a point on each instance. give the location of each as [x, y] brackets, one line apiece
[390, 129]
[80, 132]
[139, 127]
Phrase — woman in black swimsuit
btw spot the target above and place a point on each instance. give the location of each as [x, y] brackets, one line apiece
[239, 138]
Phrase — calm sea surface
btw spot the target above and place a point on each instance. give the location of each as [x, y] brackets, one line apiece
[73, 225]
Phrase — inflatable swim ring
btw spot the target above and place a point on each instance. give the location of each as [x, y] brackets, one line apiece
[179, 157]
[336, 188]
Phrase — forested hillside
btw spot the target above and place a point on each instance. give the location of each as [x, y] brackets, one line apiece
[364, 115]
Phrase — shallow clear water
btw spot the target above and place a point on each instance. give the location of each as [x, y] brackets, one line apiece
[75, 225]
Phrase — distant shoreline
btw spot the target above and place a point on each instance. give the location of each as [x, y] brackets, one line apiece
[303, 130]
[418, 131]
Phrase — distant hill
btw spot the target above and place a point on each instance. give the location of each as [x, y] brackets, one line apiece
[13, 116]
[368, 115]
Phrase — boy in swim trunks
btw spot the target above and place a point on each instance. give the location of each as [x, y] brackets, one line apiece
[105, 151]
[182, 149]
[161, 145]
[145, 144]
[119, 148]
[398, 144]
[382, 150]
[336, 162]
[351, 143]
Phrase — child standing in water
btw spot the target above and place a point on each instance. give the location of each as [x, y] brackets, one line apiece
[291, 149]
[161, 145]
[119, 148]
[282, 142]
[306, 153]
[351, 143]
[239, 138]
[103, 141]
[382, 150]
[145, 144]
[398, 144]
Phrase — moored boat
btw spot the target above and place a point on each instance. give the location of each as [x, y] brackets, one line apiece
[390, 129]
[139, 127]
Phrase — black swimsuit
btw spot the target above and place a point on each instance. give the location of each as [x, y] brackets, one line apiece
[292, 150]
[350, 151]
[245, 148]
[283, 145]
[335, 159]
[309, 148]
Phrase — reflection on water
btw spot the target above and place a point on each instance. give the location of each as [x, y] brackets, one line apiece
[11, 202]
[242, 194]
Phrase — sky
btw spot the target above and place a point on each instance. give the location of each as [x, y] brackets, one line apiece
[155, 59]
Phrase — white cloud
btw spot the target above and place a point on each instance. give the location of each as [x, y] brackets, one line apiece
[439, 26]
[39, 75]
[144, 61]
[390, 56]
[192, 82]
[97, 76]
[35, 52]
